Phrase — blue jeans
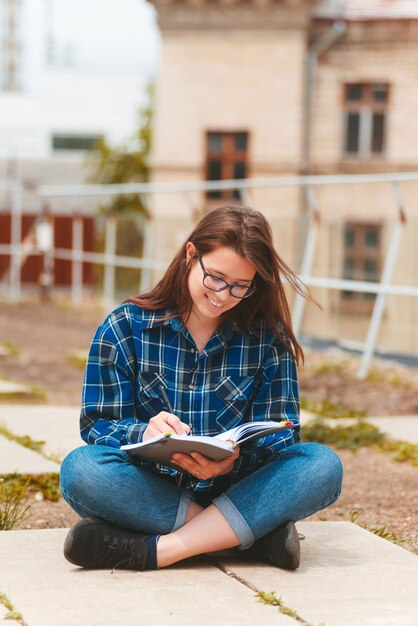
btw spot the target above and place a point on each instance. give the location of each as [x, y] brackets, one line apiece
[99, 481]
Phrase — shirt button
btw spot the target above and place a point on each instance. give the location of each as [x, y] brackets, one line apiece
[141, 388]
[192, 350]
[191, 386]
[240, 393]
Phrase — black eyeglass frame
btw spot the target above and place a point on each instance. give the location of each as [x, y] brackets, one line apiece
[251, 288]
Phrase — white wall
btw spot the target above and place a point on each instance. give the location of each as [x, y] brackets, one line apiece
[84, 68]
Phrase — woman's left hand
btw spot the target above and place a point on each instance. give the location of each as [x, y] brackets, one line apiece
[202, 467]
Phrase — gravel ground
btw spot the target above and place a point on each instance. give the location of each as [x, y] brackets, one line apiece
[386, 492]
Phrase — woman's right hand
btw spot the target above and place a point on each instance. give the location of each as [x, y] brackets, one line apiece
[163, 422]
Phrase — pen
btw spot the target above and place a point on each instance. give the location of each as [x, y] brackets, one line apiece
[165, 398]
[168, 404]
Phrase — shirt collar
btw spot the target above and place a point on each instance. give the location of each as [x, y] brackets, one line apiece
[155, 319]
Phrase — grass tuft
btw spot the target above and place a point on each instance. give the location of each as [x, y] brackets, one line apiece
[327, 408]
[271, 599]
[23, 440]
[78, 358]
[355, 515]
[29, 484]
[13, 512]
[12, 613]
[7, 348]
[357, 435]
[349, 437]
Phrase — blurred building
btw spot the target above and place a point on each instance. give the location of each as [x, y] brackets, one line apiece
[70, 74]
[254, 88]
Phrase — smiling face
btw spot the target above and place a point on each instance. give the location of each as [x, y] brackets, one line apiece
[224, 263]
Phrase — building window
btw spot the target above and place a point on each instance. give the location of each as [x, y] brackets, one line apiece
[226, 159]
[365, 113]
[75, 142]
[362, 261]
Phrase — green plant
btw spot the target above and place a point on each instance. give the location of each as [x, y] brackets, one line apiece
[48, 484]
[331, 366]
[78, 358]
[29, 393]
[28, 442]
[357, 435]
[23, 440]
[355, 515]
[7, 348]
[327, 408]
[349, 437]
[271, 599]
[12, 613]
[13, 512]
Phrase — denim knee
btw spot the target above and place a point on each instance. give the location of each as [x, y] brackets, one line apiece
[327, 468]
[80, 470]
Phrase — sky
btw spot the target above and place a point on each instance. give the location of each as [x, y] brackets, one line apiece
[100, 34]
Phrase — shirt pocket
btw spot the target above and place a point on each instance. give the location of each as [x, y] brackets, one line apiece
[233, 394]
[150, 400]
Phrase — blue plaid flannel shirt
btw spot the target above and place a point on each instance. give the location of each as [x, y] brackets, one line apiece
[249, 376]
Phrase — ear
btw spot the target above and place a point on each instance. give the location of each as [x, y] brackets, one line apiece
[190, 251]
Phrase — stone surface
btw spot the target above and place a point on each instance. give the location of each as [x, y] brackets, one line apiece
[49, 591]
[15, 458]
[9, 387]
[347, 576]
[58, 426]
[398, 427]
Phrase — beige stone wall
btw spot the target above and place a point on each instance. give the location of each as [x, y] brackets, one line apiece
[369, 53]
[231, 81]
[227, 82]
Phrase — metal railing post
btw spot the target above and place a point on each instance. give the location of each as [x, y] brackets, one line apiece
[15, 285]
[77, 261]
[376, 318]
[109, 262]
[307, 259]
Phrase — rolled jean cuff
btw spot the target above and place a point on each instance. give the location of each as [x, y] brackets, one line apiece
[235, 520]
[185, 498]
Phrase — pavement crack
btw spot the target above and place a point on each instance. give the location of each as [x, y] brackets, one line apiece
[266, 598]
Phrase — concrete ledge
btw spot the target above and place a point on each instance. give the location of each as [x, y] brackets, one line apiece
[398, 427]
[9, 387]
[347, 576]
[58, 426]
[15, 458]
[49, 591]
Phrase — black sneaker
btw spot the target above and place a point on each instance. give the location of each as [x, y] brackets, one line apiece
[281, 548]
[96, 544]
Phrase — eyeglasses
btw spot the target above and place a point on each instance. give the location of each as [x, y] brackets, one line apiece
[214, 283]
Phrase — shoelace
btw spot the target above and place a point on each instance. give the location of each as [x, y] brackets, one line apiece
[119, 547]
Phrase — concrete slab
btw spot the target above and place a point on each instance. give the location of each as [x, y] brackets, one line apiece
[9, 387]
[347, 576]
[398, 427]
[58, 426]
[401, 427]
[15, 458]
[49, 591]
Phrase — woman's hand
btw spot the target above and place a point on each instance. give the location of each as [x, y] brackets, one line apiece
[202, 467]
[164, 422]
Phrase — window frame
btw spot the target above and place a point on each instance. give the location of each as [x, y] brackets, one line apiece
[228, 156]
[360, 302]
[92, 137]
[366, 107]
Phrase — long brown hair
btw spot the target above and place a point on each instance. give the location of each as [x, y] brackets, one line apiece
[248, 233]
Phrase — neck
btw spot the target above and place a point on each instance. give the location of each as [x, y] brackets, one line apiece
[200, 330]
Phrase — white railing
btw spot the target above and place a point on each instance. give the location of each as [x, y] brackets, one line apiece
[110, 260]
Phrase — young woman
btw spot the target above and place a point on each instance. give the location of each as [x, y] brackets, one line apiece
[214, 338]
